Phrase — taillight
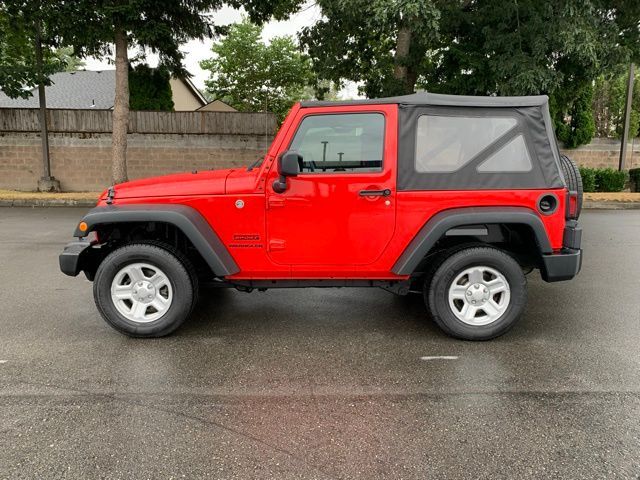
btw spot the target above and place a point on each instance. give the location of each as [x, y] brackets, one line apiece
[572, 205]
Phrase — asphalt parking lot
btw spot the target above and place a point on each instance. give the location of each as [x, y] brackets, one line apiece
[318, 383]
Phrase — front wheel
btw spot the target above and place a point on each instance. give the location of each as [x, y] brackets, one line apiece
[476, 294]
[144, 290]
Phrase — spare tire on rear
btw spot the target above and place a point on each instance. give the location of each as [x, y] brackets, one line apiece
[573, 180]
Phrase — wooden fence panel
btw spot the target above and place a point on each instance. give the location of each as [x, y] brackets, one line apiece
[100, 121]
[232, 122]
[19, 120]
[82, 121]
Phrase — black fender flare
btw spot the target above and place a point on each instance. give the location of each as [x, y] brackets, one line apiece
[183, 217]
[438, 225]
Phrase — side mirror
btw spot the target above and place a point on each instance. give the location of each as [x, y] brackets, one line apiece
[288, 166]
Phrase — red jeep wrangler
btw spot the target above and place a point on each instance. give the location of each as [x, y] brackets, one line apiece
[456, 197]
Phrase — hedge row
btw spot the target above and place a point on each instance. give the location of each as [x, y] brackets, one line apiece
[602, 179]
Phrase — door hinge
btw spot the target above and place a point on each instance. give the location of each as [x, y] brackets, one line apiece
[276, 245]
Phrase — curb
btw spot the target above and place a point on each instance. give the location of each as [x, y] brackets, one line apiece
[591, 205]
[52, 202]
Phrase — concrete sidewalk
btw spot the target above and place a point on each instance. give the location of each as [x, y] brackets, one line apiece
[13, 198]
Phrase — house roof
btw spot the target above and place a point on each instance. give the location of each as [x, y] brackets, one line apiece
[211, 106]
[80, 89]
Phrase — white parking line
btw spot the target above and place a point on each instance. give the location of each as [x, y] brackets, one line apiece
[3, 361]
[441, 357]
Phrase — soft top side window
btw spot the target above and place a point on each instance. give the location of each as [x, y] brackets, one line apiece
[341, 142]
[447, 143]
[513, 157]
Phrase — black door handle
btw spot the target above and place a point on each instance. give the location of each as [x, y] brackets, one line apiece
[375, 193]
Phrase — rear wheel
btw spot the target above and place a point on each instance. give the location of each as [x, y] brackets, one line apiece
[144, 290]
[476, 294]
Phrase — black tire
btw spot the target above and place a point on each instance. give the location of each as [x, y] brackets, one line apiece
[434, 265]
[176, 268]
[573, 178]
[436, 292]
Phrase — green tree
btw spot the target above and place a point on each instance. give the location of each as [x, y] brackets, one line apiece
[381, 43]
[100, 28]
[113, 26]
[93, 28]
[480, 47]
[580, 127]
[20, 30]
[28, 37]
[251, 76]
[150, 88]
[522, 46]
[608, 105]
[475, 47]
[322, 90]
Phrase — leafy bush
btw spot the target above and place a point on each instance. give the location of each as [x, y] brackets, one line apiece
[610, 180]
[605, 179]
[588, 179]
[634, 175]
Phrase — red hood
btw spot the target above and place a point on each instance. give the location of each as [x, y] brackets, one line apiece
[206, 182]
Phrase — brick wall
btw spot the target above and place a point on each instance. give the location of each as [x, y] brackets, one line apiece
[82, 161]
[605, 152]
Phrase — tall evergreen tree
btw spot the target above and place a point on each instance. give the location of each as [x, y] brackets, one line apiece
[150, 88]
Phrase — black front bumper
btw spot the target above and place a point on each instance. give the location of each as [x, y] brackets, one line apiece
[72, 256]
[567, 263]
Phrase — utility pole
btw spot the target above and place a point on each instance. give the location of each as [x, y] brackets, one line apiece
[627, 120]
[47, 183]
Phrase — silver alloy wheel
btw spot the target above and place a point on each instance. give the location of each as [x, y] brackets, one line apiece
[141, 292]
[479, 295]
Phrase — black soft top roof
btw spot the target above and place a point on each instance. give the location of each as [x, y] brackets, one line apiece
[532, 124]
[437, 99]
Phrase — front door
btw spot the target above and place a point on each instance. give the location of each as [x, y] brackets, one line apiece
[340, 209]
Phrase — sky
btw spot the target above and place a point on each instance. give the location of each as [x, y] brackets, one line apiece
[196, 50]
